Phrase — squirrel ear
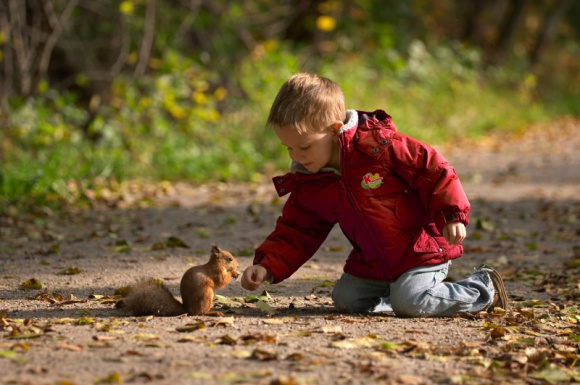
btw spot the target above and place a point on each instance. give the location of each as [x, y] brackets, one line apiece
[214, 249]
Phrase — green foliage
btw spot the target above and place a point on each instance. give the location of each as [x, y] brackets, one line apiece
[176, 125]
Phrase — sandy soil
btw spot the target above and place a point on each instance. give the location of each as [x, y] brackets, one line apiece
[525, 222]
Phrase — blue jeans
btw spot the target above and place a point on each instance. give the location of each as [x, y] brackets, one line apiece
[418, 292]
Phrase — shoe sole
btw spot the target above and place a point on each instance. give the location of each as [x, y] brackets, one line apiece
[497, 281]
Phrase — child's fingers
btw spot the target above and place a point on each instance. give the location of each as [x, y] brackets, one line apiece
[454, 233]
[251, 279]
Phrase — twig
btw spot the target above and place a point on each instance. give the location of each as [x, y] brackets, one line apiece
[147, 42]
[57, 26]
[124, 51]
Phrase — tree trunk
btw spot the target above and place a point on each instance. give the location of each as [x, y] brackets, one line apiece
[506, 30]
[547, 29]
[471, 27]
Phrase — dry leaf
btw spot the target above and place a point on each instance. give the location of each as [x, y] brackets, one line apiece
[72, 348]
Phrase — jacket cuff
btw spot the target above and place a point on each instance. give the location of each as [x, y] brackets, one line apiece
[273, 268]
[444, 218]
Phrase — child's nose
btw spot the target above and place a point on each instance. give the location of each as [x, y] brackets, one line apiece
[296, 156]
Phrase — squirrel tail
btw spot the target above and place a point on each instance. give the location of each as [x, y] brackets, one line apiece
[151, 298]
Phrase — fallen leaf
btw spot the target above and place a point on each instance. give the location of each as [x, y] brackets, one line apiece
[241, 354]
[105, 338]
[189, 338]
[333, 248]
[331, 329]
[294, 357]
[31, 284]
[72, 348]
[198, 376]
[283, 380]
[554, 374]
[278, 321]
[122, 246]
[146, 337]
[191, 327]
[70, 271]
[85, 321]
[497, 332]
[265, 308]
[226, 340]
[364, 342]
[226, 301]
[173, 242]
[7, 354]
[300, 333]
[113, 378]
[224, 321]
[264, 355]
[249, 339]
[408, 379]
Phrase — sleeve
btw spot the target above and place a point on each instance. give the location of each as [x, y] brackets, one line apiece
[436, 182]
[298, 234]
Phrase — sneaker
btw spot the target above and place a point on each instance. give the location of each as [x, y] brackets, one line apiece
[500, 298]
[384, 304]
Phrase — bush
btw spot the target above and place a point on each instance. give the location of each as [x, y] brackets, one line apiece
[175, 125]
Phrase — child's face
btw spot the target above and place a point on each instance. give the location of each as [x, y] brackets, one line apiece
[313, 150]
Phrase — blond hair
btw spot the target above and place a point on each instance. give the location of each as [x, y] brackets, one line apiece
[307, 103]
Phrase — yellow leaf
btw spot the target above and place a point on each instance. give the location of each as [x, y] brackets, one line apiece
[224, 321]
[191, 327]
[199, 97]
[42, 86]
[331, 329]
[7, 354]
[146, 337]
[31, 284]
[126, 7]
[241, 354]
[113, 378]
[220, 93]
[199, 376]
[364, 342]
[325, 23]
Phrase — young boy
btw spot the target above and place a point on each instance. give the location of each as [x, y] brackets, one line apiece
[397, 201]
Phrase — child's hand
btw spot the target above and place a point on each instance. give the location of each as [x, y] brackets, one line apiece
[254, 275]
[454, 233]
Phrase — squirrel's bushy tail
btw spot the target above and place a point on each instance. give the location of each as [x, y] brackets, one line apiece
[150, 298]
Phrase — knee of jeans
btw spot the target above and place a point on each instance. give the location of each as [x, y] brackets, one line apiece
[341, 302]
[407, 308]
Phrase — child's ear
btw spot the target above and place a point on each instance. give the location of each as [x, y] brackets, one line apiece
[335, 127]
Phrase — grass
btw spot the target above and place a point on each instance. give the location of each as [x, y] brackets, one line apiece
[156, 130]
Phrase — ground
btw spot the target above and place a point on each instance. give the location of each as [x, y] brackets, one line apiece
[524, 222]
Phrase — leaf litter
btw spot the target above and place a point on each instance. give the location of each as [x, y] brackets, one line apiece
[290, 333]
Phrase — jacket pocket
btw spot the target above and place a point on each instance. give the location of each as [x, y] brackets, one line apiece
[424, 243]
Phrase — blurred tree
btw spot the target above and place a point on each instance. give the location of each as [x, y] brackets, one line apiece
[84, 45]
[30, 32]
[546, 29]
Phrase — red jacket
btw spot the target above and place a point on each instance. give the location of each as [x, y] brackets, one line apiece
[392, 200]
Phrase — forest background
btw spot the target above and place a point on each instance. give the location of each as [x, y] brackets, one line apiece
[99, 96]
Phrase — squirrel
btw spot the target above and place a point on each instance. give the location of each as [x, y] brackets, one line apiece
[197, 284]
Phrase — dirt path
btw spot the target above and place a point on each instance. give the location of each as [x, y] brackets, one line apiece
[525, 222]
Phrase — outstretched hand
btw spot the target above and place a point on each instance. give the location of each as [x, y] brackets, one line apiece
[254, 275]
[454, 233]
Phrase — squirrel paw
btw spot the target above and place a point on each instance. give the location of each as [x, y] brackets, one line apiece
[214, 313]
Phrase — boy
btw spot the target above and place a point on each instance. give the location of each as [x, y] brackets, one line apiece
[397, 200]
